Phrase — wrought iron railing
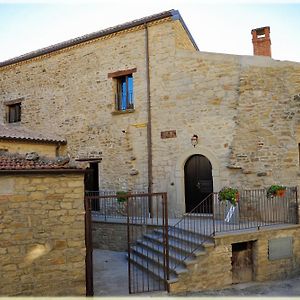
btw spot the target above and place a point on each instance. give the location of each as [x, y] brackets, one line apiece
[192, 230]
[108, 205]
[209, 218]
[148, 267]
[253, 210]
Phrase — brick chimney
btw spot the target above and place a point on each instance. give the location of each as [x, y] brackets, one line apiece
[261, 41]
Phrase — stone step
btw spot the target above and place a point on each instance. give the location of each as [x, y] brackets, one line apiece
[157, 256]
[153, 268]
[189, 230]
[184, 246]
[186, 237]
[158, 247]
[177, 245]
[175, 251]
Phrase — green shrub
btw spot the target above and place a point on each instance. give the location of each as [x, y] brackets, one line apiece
[229, 194]
[120, 196]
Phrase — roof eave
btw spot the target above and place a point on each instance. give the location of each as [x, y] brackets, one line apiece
[41, 171]
[33, 140]
[177, 16]
[171, 13]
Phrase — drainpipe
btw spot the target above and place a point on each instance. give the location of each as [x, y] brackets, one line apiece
[149, 124]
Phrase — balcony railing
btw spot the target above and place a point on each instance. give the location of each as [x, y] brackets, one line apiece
[255, 210]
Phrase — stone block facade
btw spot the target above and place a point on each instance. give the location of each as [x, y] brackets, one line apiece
[110, 236]
[214, 269]
[24, 147]
[244, 110]
[42, 235]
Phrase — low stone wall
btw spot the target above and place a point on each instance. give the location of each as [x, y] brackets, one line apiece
[42, 235]
[109, 236]
[113, 235]
[214, 270]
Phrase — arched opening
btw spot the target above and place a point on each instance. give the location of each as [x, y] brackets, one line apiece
[198, 182]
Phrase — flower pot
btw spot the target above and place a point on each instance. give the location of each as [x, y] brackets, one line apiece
[280, 193]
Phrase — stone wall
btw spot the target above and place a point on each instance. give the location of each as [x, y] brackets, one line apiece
[72, 89]
[43, 149]
[214, 270]
[113, 236]
[109, 236]
[244, 110]
[42, 235]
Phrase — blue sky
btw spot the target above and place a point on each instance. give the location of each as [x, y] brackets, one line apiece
[217, 26]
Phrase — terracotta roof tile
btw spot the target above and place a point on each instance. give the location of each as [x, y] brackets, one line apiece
[10, 161]
[18, 132]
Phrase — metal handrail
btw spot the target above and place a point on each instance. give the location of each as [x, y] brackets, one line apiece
[182, 220]
[193, 210]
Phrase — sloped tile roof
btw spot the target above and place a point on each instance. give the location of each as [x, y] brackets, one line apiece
[10, 161]
[17, 132]
[170, 13]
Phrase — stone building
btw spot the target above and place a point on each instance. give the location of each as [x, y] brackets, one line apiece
[136, 94]
[42, 229]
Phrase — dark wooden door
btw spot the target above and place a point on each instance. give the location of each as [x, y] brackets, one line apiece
[91, 182]
[242, 262]
[198, 183]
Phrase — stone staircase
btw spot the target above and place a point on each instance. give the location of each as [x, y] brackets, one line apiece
[184, 248]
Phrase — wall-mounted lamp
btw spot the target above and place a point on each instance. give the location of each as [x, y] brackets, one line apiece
[194, 140]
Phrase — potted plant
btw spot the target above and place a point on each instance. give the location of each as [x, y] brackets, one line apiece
[229, 194]
[121, 196]
[276, 190]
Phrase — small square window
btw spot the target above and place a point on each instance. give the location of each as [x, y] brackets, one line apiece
[14, 113]
[124, 93]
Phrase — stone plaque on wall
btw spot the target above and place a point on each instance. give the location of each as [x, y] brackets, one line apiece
[280, 248]
[168, 134]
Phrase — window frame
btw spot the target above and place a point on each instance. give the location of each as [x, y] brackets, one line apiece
[14, 112]
[120, 78]
[124, 93]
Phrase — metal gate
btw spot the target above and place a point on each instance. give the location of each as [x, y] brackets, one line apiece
[148, 252]
[146, 216]
[89, 247]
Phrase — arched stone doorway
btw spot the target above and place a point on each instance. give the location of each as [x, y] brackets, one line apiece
[179, 205]
[198, 183]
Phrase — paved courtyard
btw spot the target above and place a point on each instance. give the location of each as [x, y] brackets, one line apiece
[284, 288]
[110, 273]
[111, 279]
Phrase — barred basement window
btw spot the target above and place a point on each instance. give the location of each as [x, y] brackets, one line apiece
[14, 113]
